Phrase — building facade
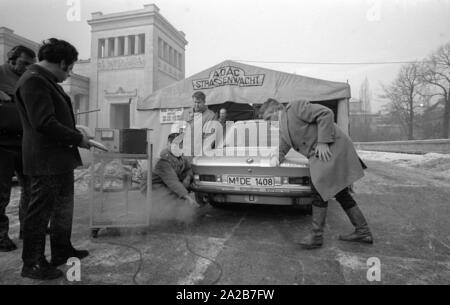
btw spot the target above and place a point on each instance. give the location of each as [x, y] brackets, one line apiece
[133, 53]
[9, 39]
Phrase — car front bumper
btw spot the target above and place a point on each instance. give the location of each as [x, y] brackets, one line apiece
[277, 191]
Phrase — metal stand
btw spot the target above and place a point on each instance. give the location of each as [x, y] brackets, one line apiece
[108, 209]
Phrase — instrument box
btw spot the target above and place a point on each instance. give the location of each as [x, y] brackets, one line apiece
[124, 141]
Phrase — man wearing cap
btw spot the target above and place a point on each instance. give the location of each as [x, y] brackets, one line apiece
[11, 141]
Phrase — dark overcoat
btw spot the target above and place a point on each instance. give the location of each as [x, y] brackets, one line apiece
[302, 126]
[50, 138]
[172, 172]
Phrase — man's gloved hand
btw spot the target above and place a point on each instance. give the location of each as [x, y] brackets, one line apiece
[191, 201]
[85, 142]
[4, 97]
[85, 131]
[187, 181]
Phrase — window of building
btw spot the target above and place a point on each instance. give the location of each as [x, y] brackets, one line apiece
[160, 48]
[166, 51]
[121, 46]
[180, 63]
[175, 58]
[170, 56]
[111, 47]
[141, 44]
[131, 44]
[101, 48]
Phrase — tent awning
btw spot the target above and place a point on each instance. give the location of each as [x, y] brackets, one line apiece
[242, 83]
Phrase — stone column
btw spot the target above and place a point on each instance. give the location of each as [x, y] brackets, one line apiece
[126, 46]
[116, 46]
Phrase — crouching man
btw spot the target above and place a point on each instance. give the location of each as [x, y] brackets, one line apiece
[173, 170]
[334, 165]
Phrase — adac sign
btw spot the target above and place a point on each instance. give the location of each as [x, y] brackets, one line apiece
[228, 76]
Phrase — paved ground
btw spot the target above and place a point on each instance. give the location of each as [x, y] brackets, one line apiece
[408, 211]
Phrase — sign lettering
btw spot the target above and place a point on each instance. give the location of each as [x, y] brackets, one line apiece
[228, 76]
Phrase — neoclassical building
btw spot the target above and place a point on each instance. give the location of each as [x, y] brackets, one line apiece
[9, 39]
[133, 53]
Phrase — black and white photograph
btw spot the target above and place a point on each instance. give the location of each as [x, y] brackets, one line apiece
[226, 149]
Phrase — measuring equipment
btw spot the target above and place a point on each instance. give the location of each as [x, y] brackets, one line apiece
[116, 199]
[124, 141]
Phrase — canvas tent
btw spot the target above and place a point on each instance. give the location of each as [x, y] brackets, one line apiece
[235, 82]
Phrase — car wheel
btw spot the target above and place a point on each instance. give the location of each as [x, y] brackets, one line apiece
[216, 204]
[202, 198]
[305, 208]
[94, 232]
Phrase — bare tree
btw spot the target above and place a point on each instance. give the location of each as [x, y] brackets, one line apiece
[405, 97]
[436, 72]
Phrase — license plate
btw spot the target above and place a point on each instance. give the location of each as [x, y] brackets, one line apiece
[251, 181]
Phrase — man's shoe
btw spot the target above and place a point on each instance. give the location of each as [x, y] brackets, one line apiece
[7, 245]
[362, 232]
[61, 260]
[41, 271]
[315, 238]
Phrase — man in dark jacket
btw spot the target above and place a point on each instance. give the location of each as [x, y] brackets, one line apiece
[50, 155]
[173, 171]
[11, 140]
[334, 164]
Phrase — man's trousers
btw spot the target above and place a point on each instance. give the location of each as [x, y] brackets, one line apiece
[344, 198]
[52, 200]
[10, 163]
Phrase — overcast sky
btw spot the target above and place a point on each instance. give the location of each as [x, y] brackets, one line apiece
[264, 30]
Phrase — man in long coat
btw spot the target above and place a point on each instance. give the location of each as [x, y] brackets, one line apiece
[50, 155]
[334, 164]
